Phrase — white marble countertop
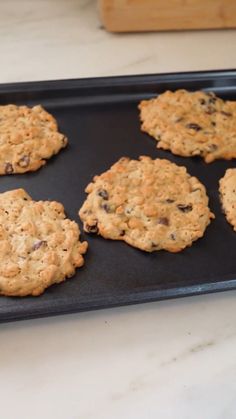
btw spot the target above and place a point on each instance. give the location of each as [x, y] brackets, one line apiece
[166, 360]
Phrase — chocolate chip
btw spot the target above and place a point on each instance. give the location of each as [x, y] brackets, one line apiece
[107, 208]
[8, 168]
[213, 123]
[154, 244]
[103, 194]
[213, 147]
[91, 228]
[185, 208]
[172, 236]
[202, 101]
[163, 220]
[24, 161]
[210, 111]
[38, 244]
[194, 126]
[170, 201]
[212, 99]
[122, 233]
[226, 113]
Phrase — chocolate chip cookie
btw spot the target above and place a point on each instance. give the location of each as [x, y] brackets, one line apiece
[191, 124]
[39, 246]
[150, 204]
[28, 137]
[227, 191]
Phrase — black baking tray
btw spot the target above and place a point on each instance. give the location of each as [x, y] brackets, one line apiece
[100, 118]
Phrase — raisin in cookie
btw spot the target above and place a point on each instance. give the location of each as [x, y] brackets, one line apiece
[150, 204]
[227, 191]
[38, 245]
[191, 124]
[28, 136]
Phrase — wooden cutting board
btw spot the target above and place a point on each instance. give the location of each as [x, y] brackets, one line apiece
[149, 15]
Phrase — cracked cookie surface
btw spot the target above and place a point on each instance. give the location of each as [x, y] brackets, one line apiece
[28, 137]
[191, 124]
[227, 191]
[150, 204]
[39, 246]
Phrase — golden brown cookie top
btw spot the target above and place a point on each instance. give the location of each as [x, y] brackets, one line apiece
[150, 204]
[228, 195]
[191, 124]
[28, 137]
[39, 246]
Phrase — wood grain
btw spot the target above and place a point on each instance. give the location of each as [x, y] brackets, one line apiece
[150, 15]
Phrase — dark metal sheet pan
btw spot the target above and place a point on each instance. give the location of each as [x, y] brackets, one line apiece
[100, 118]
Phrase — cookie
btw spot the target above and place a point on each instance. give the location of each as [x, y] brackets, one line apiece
[191, 124]
[28, 137]
[227, 191]
[38, 245]
[150, 204]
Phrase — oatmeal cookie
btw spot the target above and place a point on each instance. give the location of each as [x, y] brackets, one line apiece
[228, 196]
[39, 246]
[191, 124]
[28, 137]
[150, 204]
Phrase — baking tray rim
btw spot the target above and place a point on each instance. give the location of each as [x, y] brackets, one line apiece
[119, 80]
